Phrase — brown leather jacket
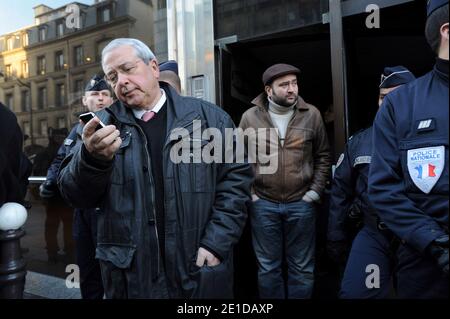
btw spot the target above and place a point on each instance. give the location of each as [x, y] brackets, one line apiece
[304, 159]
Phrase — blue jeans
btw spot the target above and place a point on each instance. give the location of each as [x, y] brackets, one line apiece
[288, 228]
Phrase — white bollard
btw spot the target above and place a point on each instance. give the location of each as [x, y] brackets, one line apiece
[12, 216]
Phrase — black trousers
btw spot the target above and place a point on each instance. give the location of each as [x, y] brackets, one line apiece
[85, 235]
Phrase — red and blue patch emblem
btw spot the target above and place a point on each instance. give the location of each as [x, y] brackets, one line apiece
[425, 166]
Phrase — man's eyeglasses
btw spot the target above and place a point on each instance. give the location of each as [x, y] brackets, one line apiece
[127, 68]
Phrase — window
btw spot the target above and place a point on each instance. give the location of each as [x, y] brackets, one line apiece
[9, 100]
[24, 69]
[25, 39]
[41, 65]
[60, 94]
[78, 55]
[61, 122]
[42, 98]
[42, 34]
[162, 4]
[104, 14]
[25, 97]
[8, 71]
[60, 28]
[26, 128]
[79, 86]
[43, 126]
[59, 61]
[10, 43]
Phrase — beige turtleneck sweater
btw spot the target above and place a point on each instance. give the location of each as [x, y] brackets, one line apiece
[280, 116]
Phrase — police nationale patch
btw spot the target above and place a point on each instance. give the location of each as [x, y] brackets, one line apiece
[340, 159]
[425, 166]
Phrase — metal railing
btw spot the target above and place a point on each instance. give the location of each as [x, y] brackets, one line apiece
[36, 179]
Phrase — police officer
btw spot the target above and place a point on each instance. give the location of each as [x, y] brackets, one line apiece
[97, 96]
[408, 177]
[168, 72]
[373, 243]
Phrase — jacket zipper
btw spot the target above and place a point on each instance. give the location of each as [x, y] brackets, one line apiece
[167, 144]
[282, 154]
[271, 125]
[152, 193]
[282, 150]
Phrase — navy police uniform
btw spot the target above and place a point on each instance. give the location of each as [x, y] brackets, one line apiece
[85, 220]
[84, 228]
[408, 179]
[373, 243]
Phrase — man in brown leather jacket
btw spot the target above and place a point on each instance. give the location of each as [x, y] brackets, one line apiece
[283, 208]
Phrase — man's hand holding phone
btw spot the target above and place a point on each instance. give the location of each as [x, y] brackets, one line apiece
[101, 143]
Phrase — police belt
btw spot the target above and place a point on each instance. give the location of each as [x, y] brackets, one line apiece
[376, 224]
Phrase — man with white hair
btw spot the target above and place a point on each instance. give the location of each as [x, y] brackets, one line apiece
[165, 229]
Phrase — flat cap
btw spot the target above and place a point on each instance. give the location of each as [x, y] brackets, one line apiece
[97, 83]
[432, 5]
[394, 76]
[170, 65]
[278, 70]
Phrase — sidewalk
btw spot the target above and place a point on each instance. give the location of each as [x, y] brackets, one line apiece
[40, 286]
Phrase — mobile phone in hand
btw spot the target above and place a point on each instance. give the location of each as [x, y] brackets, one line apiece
[86, 117]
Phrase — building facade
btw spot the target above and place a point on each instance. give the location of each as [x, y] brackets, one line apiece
[45, 67]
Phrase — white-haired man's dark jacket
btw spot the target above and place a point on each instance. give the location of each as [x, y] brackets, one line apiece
[205, 205]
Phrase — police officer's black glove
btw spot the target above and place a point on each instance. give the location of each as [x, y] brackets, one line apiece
[48, 189]
[438, 249]
[337, 251]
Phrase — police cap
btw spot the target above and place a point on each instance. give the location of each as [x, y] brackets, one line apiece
[97, 83]
[394, 76]
[432, 5]
[170, 65]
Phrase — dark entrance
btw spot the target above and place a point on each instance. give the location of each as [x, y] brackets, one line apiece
[399, 41]
[311, 53]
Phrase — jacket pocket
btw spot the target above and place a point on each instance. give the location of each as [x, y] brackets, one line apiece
[299, 152]
[213, 282]
[114, 227]
[119, 256]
